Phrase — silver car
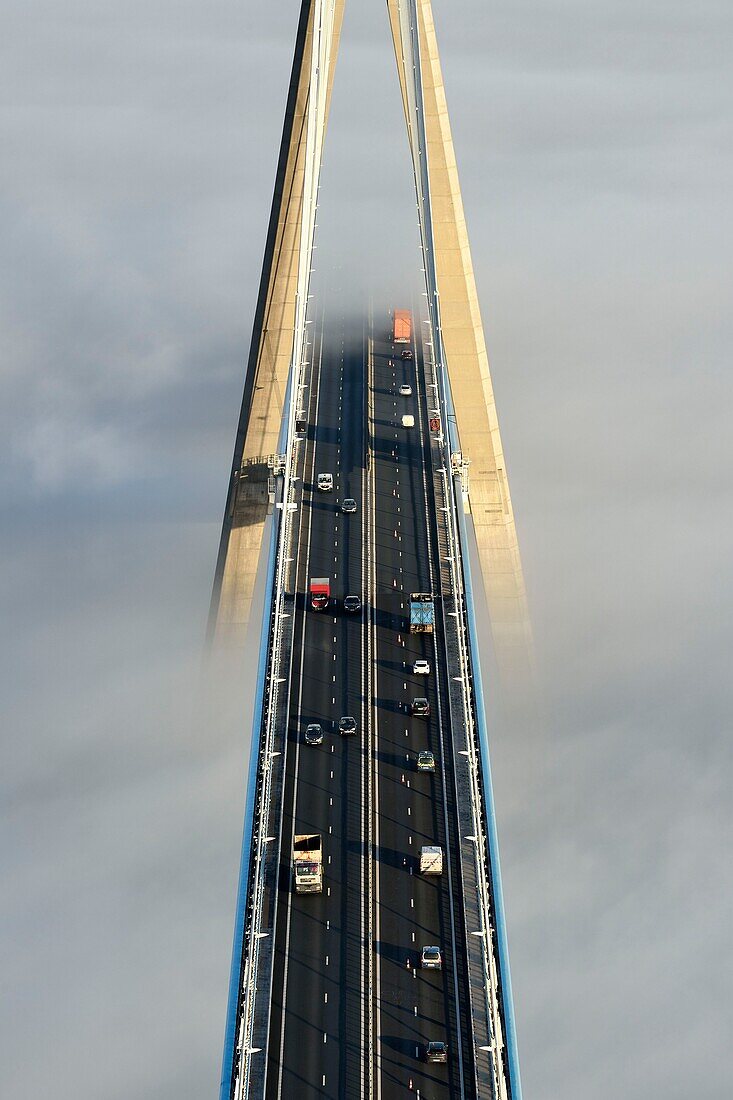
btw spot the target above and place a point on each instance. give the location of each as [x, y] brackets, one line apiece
[425, 761]
[431, 958]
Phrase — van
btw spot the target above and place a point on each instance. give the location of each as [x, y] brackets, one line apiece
[408, 421]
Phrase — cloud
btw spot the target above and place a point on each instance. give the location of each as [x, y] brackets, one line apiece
[140, 152]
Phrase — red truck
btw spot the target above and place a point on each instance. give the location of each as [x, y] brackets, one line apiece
[320, 591]
[402, 333]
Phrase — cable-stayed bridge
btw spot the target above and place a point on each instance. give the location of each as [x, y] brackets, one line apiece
[370, 956]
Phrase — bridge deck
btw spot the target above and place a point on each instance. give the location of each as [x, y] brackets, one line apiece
[340, 1006]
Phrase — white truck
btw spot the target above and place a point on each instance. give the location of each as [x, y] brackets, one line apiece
[307, 863]
[431, 860]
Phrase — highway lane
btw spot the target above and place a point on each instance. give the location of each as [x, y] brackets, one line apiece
[413, 1005]
[316, 1045]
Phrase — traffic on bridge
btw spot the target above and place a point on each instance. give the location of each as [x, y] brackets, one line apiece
[377, 979]
[370, 956]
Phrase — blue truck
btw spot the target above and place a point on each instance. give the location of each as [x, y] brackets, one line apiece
[422, 613]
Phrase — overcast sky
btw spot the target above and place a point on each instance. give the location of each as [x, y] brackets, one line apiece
[596, 156]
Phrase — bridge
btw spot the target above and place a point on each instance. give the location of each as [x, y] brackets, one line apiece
[370, 955]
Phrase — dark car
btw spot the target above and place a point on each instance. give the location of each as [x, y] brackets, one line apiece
[436, 1052]
[313, 734]
[420, 708]
[347, 726]
[348, 504]
[352, 603]
[407, 353]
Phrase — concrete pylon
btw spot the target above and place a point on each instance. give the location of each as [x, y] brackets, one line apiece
[467, 361]
[271, 350]
[270, 356]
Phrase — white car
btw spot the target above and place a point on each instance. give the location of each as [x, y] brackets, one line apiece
[405, 390]
[421, 667]
[325, 482]
[431, 958]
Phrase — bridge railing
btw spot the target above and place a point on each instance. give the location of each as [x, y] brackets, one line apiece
[259, 858]
[484, 976]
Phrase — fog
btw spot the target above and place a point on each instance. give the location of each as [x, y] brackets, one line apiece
[593, 141]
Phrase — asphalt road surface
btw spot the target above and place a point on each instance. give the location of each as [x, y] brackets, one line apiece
[351, 1010]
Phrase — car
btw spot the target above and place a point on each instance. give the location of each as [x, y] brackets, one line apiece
[313, 734]
[348, 504]
[405, 390]
[431, 958]
[347, 726]
[407, 354]
[352, 603]
[421, 667]
[425, 761]
[325, 482]
[420, 708]
[436, 1052]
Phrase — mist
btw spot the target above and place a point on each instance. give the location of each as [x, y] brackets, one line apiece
[593, 142]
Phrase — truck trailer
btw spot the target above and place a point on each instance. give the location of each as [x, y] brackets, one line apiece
[308, 863]
[320, 593]
[402, 332]
[422, 613]
[431, 860]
